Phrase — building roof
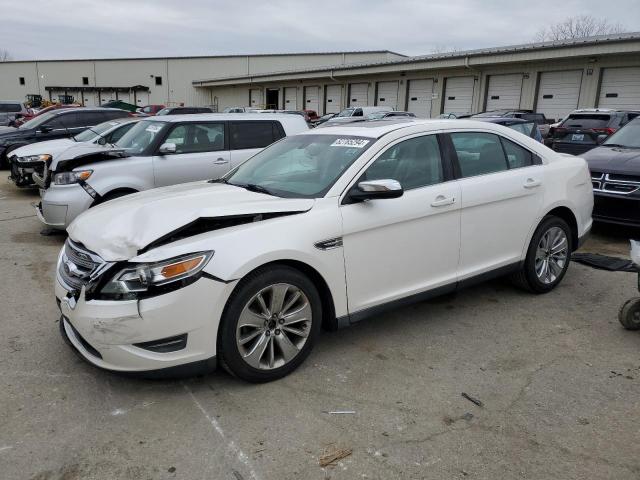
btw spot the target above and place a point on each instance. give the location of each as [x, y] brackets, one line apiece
[286, 54]
[465, 54]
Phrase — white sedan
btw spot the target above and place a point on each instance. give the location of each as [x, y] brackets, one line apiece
[323, 228]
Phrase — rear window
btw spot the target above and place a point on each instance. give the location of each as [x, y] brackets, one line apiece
[253, 134]
[10, 107]
[587, 121]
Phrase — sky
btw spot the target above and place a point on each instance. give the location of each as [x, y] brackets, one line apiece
[61, 29]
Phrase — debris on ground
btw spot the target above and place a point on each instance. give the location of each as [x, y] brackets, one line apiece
[330, 457]
[472, 399]
[340, 412]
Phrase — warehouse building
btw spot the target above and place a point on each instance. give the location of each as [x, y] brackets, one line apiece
[552, 77]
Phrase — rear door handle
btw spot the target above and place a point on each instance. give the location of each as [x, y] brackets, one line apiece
[532, 183]
[220, 161]
[442, 201]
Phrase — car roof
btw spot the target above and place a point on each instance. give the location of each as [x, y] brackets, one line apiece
[10, 101]
[199, 117]
[378, 128]
[63, 111]
[509, 120]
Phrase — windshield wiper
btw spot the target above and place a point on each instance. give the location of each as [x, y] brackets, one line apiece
[617, 145]
[252, 187]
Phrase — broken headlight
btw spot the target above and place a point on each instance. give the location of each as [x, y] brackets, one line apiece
[156, 278]
[33, 158]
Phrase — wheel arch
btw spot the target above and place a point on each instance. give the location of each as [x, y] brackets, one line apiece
[329, 321]
[566, 214]
[124, 190]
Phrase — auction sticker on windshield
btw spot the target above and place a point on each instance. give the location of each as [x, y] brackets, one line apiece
[350, 142]
[153, 128]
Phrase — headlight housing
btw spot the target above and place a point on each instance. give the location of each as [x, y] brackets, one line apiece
[33, 158]
[148, 279]
[69, 178]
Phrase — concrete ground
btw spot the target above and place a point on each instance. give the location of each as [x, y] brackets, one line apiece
[558, 377]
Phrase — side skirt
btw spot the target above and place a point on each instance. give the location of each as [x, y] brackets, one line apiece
[348, 320]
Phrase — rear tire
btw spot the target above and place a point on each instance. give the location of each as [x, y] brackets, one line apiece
[548, 257]
[269, 325]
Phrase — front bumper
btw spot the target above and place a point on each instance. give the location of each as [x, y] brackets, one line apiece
[105, 332]
[616, 209]
[61, 204]
[22, 173]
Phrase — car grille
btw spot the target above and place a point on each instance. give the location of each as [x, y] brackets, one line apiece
[78, 266]
[615, 183]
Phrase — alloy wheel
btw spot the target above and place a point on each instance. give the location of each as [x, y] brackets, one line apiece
[274, 326]
[551, 255]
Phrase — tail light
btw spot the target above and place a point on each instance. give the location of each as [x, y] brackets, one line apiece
[606, 131]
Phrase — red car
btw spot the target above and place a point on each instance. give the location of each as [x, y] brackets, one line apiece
[312, 114]
[150, 110]
[29, 116]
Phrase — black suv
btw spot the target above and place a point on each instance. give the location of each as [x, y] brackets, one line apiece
[615, 173]
[583, 130]
[184, 110]
[54, 124]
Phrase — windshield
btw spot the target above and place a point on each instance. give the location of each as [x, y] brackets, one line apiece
[140, 136]
[38, 120]
[347, 112]
[10, 107]
[629, 136]
[91, 133]
[302, 166]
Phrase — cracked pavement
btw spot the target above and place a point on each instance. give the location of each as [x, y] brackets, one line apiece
[558, 376]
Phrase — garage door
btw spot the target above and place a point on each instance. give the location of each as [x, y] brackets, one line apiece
[255, 98]
[620, 88]
[558, 93]
[312, 98]
[333, 99]
[419, 98]
[290, 98]
[387, 95]
[504, 91]
[358, 95]
[458, 97]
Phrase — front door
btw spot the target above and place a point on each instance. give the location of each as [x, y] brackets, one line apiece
[502, 191]
[399, 247]
[200, 154]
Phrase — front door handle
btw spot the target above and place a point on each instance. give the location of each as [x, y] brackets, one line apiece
[442, 201]
[220, 161]
[532, 183]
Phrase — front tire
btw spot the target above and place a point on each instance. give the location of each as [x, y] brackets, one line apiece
[270, 324]
[548, 257]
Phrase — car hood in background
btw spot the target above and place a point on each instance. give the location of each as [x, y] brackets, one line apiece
[624, 161]
[81, 149]
[50, 147]
[120, 228]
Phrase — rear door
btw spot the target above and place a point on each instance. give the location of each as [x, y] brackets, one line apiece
[579, 132]
[201, 154]
[502, 186]
[246, 138]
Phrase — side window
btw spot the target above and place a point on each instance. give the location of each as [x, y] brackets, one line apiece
[207, 137]
[517, 156]
[74, 120]
[56, 122]
[414, 163]
[119, 132]
[250, 134]
[357, 112]
[178, 136]
[478, 153]
[526, 128]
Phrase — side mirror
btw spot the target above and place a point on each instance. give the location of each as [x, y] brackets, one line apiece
[45, 129]
[168, 148]
[601, 138]
[376, 190]
[102, 141]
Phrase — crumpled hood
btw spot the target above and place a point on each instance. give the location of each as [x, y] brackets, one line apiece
[623, 161]
[80, 149]
[118, 229]
[50, 147]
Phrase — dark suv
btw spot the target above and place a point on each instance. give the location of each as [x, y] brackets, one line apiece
[615, 173]
[583, 130]
[52, 125]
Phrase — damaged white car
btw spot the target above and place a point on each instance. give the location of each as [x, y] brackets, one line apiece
[323, 228]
